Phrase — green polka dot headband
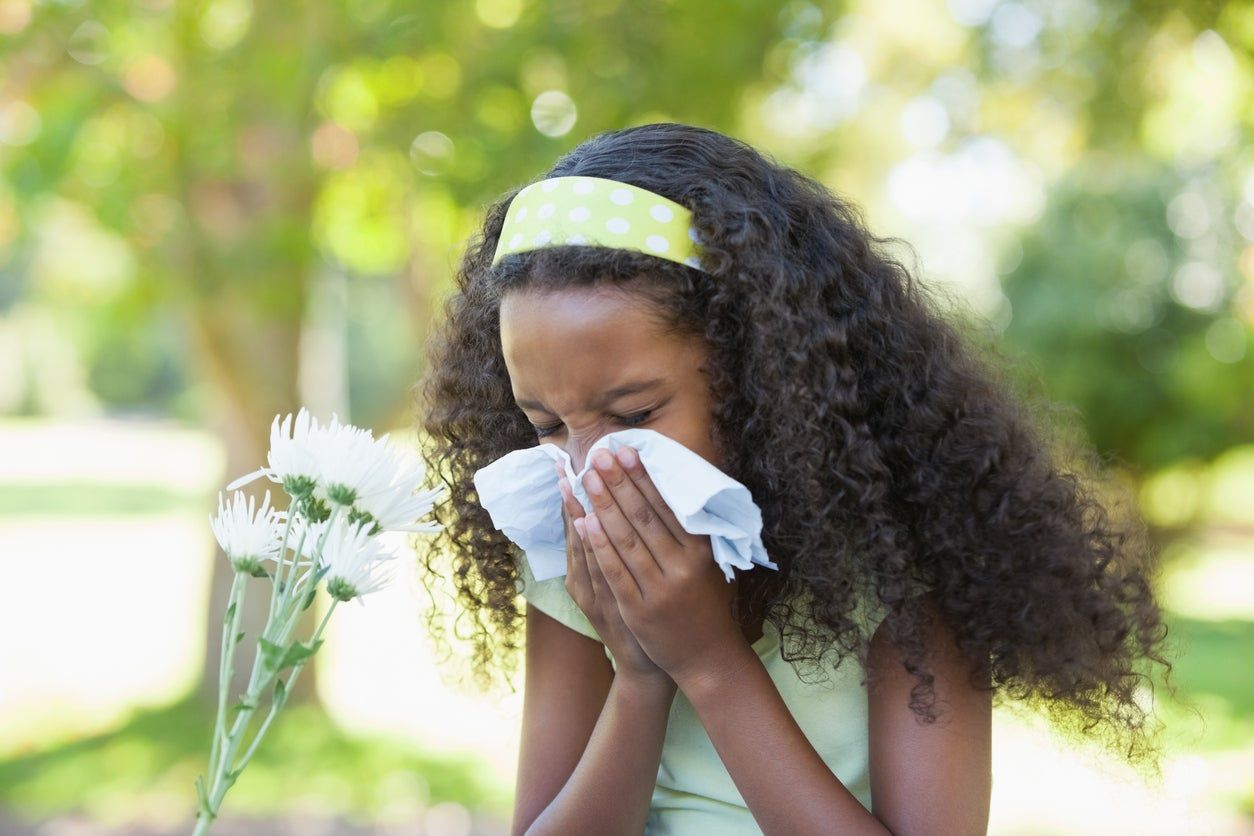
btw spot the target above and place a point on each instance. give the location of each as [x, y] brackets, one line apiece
[594, 211]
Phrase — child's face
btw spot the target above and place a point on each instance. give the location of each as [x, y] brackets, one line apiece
[566, 352]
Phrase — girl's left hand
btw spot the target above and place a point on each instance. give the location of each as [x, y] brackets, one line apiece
[671, 594]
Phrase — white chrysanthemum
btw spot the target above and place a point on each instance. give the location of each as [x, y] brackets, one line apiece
[355, 560]
[395, 506]
[291, 460]
[305, 536]
[350, 461]
[246, 533]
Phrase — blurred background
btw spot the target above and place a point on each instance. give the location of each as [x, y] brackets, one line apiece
[213, 212]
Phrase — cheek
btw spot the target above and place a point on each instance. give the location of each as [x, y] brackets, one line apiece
[693, 429]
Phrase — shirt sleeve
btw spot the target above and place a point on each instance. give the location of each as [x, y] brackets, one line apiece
[550, 597]
[871, 611]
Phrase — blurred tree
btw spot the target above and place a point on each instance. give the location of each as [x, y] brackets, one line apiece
[1134, 293]
[1139, 335]
[236, 153]
[268, 199]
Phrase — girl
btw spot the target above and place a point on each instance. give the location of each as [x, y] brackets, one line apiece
[669, 277]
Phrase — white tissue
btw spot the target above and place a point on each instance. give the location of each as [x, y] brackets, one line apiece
[520, 493]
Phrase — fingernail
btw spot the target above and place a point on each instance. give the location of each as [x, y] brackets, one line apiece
[593, 482]
[627, 456]
[602, 460]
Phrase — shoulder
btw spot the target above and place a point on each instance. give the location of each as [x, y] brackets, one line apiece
[959, 685]
[921, 771]
[939, 637]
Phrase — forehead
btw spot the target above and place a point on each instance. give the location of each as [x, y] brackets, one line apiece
[583, 337]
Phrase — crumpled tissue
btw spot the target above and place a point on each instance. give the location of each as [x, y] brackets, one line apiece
[519, 491]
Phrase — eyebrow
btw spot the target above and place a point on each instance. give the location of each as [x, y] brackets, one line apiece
[607, 397]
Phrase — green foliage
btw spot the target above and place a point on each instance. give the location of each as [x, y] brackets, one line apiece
[1098, 306]
[226, 161]
[230, 174]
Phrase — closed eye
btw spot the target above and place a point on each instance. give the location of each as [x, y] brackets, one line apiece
[633, 420]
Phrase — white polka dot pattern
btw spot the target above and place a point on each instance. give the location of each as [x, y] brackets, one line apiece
[594, 211]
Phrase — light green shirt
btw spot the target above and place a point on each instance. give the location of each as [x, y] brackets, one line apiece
[695, 794]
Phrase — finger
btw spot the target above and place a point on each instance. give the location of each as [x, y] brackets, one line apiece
[630, 522]
[569, 503]
[635, 469]
[622, 583]
[576, 560]
[600, 587]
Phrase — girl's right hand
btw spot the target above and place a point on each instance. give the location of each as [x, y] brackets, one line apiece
[589, 589]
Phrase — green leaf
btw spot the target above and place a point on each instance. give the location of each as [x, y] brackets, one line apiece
[230, 611]
[259, 571]
[299, 652]
[202, 797]
[280, 694]
[277, 658]
[244, 703]
[239, 706]
[239, 636]
[271, 654]
[309, 598]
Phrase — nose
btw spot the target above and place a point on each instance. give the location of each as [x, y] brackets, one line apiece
[577, 448]
[578, 454]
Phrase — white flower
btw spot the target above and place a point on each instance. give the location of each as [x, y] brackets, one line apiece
[246, 533]
[394, 505]
[354, 558]
[312, 533]
[291, 460]
[350, 461]
[343, 465]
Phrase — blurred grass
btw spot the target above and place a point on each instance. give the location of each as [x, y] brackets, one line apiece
[1213, 671]
[50, 499]
[1217, 661]
[304, 761]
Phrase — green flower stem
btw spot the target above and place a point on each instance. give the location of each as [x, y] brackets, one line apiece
[289, 623]
[285, 591]
[291, 680]
[223, 774]
[278, 570]
[278, 627]
[219, 758]
[224, 668]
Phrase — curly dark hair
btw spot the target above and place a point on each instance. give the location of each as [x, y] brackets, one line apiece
[883, 450]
